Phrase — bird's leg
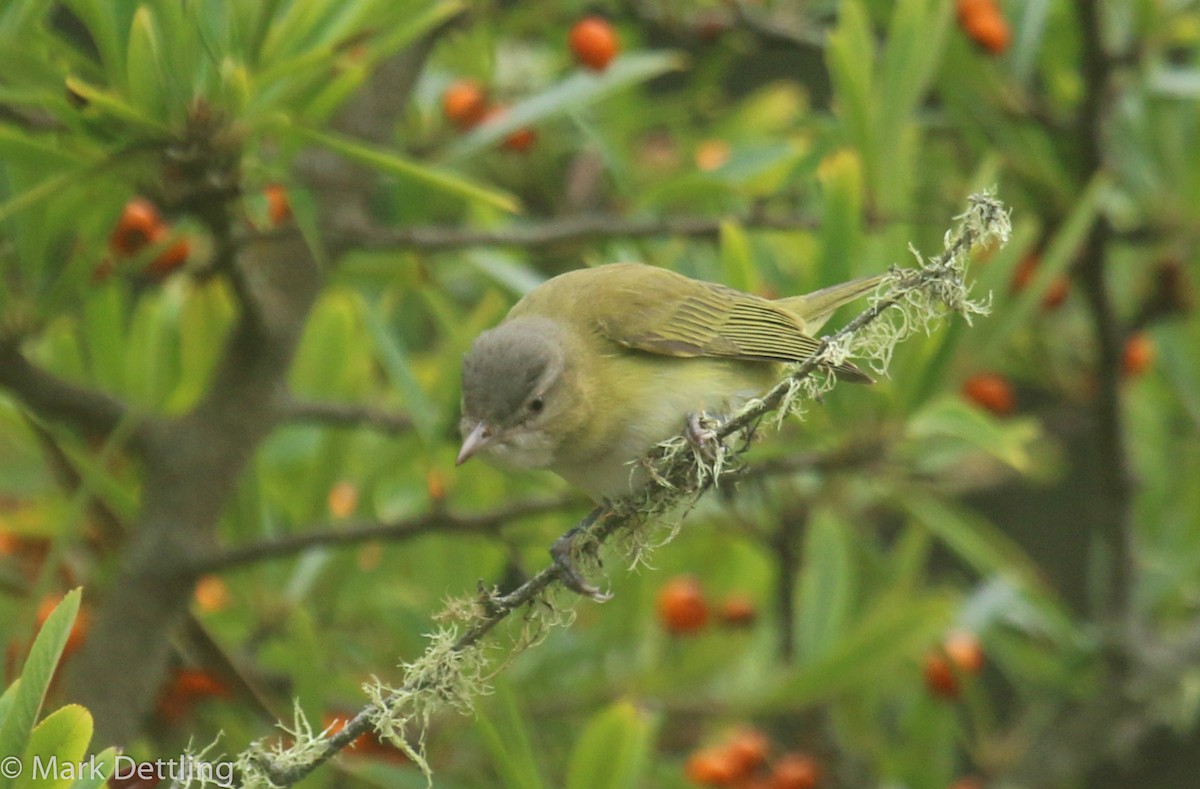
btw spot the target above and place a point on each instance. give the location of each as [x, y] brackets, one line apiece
[561, 552]
[701, 433]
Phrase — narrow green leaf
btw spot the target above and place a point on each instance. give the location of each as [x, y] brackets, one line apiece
[33, 150]
[61, 738]
[881, 643]
[850, 56]
[507, 740]
[395, 360]
[841, 178]
[827, 585]
[737, 259]
[611, 752]
[35, 677]
[145, 63]
[103, 102]
[578, 90]
[51, 186]
[403, 168]
[106, 762]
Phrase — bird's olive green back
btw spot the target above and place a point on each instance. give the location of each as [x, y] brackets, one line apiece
[658, 311]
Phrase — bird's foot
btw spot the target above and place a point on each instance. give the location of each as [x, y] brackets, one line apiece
[701, 432]
[562, 552]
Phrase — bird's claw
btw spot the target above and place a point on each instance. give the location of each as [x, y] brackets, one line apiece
[701, 436]
[568, 573]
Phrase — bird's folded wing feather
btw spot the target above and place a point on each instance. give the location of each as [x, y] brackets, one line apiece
[704, 319]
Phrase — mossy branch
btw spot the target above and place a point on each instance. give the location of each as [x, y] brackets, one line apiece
[454, 670]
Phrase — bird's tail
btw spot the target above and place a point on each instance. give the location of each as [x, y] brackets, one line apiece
[816, 307]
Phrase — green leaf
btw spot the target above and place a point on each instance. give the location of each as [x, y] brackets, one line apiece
[403, 168]
[102, 102]
[145, 63]
[611, 752]
[395, 360]
[106, 761]
[874, 650]
[841, 178]
[35, 151]
[976, 541]
[35, 676]
[827, 585]
[507, 740]
[850, 55]
[61, 738]
[578, 90]
[737, 259]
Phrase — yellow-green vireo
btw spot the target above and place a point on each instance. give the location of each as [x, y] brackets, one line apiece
[595, 367]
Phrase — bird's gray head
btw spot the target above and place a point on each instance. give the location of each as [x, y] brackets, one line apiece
[507, 382]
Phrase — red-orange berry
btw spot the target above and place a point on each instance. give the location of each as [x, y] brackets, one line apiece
[173, 255]
[990, 392]
[710, 767]
[138, 226]
[748, 749]
[796, 771]
[520, 141]
[464, 103]
[965, 652]
[594, 42]
[940, 679]
[991, 32]
[738, 610]
[681, 605]
[1138, 355]
[279, 207]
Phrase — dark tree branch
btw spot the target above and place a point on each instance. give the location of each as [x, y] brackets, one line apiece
[345, 415]
[57, 400]
[354, 533]
[561, 230]
[1114, 515]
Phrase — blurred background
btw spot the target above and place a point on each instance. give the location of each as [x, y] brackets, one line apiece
[244, 246]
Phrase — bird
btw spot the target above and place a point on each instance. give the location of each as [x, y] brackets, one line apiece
[594, 367]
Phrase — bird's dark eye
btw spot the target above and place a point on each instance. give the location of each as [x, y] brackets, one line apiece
[537, 404]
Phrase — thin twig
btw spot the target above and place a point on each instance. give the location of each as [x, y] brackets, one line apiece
[345, 415]
[548, 233]
[354, 533]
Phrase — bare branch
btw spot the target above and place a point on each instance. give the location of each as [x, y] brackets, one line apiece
[354, 533]
[57, 400]
[551, 232]
[345, 415]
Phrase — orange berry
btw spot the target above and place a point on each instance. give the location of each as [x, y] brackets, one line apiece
[186, 687]
[796, 771]
[1056, 292]
[211, 594]
[711, 767]
[989, 31]
[738, 611]
[965, 651]
[990, 392]
[748, 749]
[138, 225]
[173, 255]
[464, 103]
[1138, 355]
[279, 207]
[711, 154]
[520, 141]
[969, 10]
[681, 605]
[343, 499]
[1024, 273]
[594, 42]
[940, 679]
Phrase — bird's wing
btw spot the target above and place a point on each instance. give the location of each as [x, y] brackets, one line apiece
[666, 313]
